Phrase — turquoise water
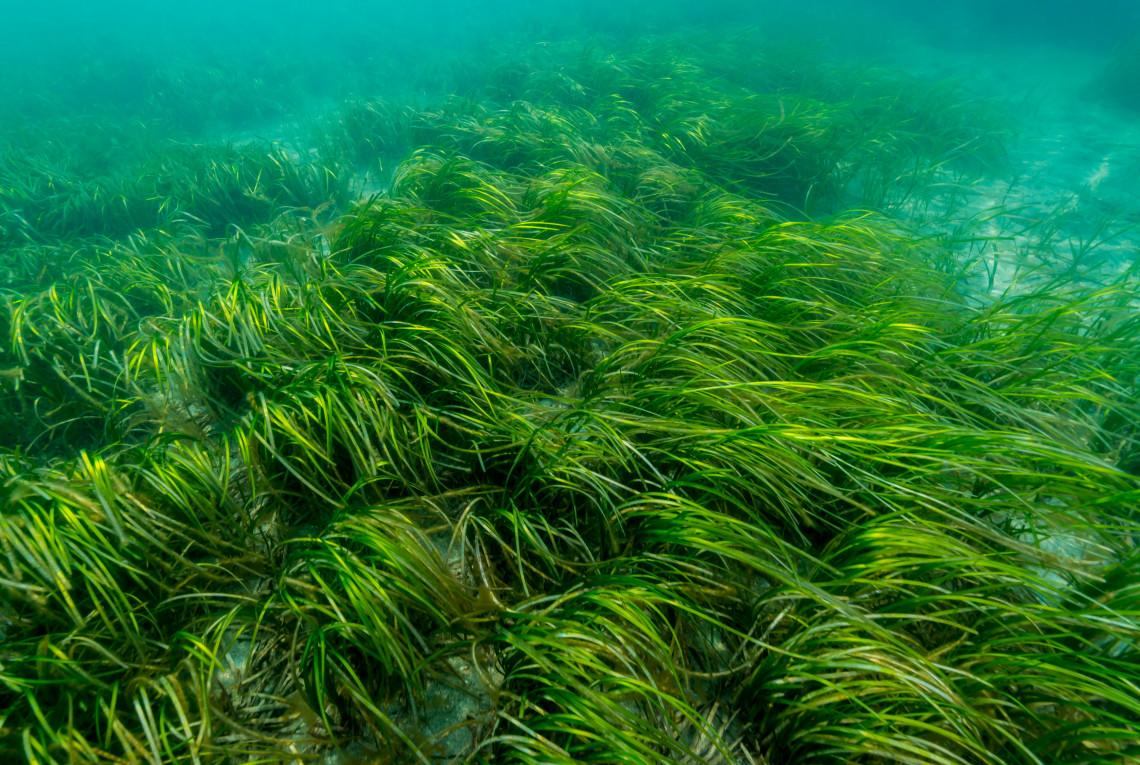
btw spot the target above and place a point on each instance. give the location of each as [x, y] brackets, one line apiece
[107, 50]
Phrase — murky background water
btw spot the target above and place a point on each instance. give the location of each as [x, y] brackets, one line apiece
[218, 71]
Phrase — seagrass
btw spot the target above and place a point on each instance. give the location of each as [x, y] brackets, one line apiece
[582, 440]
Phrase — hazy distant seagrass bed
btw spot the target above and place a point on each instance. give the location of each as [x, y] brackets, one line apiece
[570, 384]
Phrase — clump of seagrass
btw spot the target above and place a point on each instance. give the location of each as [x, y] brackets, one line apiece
[1118, 82]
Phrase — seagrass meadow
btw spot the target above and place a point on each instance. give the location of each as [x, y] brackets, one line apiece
[608, 407]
